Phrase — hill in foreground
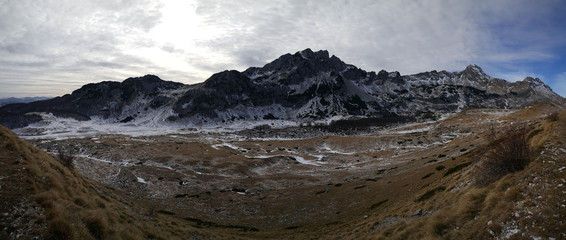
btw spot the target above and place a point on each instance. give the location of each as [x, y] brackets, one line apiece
[42, 198]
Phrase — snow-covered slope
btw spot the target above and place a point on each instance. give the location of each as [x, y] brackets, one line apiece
[303, 87]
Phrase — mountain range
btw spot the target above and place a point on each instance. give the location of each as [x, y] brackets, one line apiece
[10, 100]
[302, 87]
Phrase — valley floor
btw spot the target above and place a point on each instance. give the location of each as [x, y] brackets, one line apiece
[410, 181]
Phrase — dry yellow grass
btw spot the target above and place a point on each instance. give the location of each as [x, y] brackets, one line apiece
[74, 207]
[513, 207]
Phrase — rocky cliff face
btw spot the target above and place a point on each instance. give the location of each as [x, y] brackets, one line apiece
[109, 100]
[301, 87]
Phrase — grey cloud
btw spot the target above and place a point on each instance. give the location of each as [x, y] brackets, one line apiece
[409, 36]
[57, 38]
[524, 30]
[559, 81]
[53, 37]
[374, 34]
[172, 49]
[54, 27]
[103, 64]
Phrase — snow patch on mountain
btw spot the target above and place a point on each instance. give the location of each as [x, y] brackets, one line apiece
[294, 89]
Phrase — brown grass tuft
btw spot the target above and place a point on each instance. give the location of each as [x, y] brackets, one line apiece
[553, 117]
[81, 202]
[65, 158]
[60, 228]
[513, 194]
[511, 153]
[472, 204]
[430, 193]
[438, 226]
[97, 225]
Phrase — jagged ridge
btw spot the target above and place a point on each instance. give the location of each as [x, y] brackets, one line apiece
[304, 86]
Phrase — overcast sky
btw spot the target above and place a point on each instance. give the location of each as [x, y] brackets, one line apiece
[52, 47]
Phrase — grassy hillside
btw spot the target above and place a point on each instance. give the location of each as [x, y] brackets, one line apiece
[526, 204]
[43, 198]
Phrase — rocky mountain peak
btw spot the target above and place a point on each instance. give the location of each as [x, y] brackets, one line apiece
[320, 55]
[146, 78]
[229, 81]
[388, 75]
[297, 67]
[475, 77]
[148, 84]
[474, 68]
[536, 81]
[474, 71]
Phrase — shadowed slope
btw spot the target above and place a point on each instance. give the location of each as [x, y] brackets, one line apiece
[42, 198]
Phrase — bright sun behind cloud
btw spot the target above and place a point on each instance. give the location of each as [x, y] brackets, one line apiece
[67, 44]
[180, 38]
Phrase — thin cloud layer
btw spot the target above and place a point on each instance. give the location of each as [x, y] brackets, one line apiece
[559, 84]
[52, 47]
